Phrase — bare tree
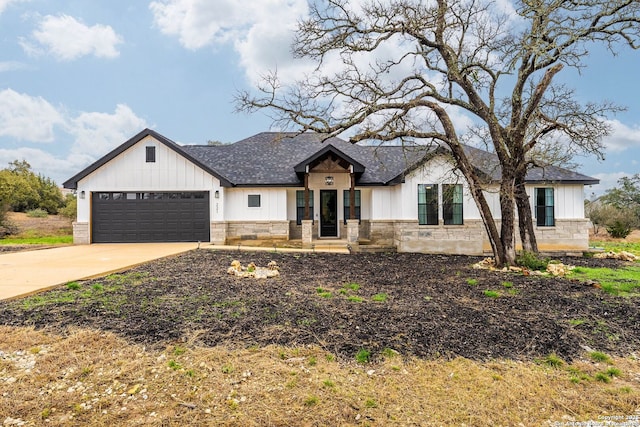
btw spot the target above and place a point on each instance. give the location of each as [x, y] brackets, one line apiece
[441, 58]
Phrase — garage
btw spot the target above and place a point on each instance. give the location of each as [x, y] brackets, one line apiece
[130, 217]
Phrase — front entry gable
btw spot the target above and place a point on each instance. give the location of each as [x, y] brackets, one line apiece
[329, 160]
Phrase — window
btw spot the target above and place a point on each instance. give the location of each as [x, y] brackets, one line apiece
[452, 204]
[300, 206]
[254, 200]
[347, 205]
[428, 204]
[151, 154]
[544, 207]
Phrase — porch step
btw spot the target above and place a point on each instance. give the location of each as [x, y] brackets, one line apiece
[378, 248]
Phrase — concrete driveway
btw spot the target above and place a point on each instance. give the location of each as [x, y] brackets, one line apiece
[23, 273]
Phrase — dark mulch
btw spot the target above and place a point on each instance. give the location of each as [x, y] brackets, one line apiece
[430, 310]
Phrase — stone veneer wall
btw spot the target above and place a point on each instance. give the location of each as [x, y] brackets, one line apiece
[381, 232]
[566, 235]
[467, 239]
[81, 233]
[218, 232]
[258, 230]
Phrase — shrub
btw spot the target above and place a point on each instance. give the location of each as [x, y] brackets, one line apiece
[619, 229]
[532, 261]
[70, 209]
[37, 213]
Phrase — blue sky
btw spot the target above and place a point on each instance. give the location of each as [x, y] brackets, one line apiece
[78, 78]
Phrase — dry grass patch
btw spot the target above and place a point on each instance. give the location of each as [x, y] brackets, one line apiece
[94, 378]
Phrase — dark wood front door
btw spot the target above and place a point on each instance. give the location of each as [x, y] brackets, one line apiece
[328, 213]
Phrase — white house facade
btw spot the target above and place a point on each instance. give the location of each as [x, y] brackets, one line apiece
[297, 187]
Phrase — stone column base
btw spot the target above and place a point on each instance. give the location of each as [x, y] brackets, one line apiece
[218, 230]
[307, 233]
[353, 231]
[81, 233]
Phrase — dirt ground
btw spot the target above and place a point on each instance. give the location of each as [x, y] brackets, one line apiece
[418, 305]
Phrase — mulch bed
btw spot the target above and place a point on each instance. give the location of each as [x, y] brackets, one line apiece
[430, 310]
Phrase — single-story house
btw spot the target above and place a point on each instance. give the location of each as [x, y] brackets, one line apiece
[295, 186]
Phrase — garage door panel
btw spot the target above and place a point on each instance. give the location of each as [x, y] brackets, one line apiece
[147, 217]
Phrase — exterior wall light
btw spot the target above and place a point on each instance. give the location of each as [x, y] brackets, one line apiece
[328, 180]
[216, 194]
[82, 194]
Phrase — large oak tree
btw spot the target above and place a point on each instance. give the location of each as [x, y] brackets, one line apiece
[409, 68]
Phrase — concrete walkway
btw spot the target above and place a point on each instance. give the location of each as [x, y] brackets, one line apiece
[23, 273]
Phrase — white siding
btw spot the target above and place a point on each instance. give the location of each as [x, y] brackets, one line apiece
[436, 171]
[273, 204]
[568, 200]
[129, 171]
[385, 203]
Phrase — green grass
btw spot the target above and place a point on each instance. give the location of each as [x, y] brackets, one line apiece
[598, 356]
[491, 294]
[623, 281]
[354, 298]
[363, 356]
[323, 293]
[379, 297]
[553, 361]
[82, 292]
[352, 286]
[634, 248]
[47, 240]
[472, 282]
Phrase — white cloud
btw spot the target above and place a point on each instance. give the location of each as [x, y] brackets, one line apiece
[260, 30]
[42, 162]
[607, 181]
[199, 23]
[97, 133]
[5, 3]
[27, 118]
[11, 66]
[81, 138]
[622, 137]
[67, 39]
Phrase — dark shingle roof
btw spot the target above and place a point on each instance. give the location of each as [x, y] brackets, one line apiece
[270, 159]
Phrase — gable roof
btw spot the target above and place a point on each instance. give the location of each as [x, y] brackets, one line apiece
[278, 158]
[72, 182]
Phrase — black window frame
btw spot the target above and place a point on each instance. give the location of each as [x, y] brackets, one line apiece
[346, 198]
[428, 205]
[544, 212]
[452, 211]
[300, 206]
[254, 201]
[150, 152]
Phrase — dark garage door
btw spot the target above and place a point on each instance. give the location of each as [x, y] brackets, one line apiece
[119, 217]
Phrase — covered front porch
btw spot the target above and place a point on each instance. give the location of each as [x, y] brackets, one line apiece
[329, 178]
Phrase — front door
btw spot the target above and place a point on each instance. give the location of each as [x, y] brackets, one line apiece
[328, 213]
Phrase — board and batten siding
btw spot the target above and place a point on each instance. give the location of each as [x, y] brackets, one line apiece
[273, 204]
[568, 199]
[129, 171]
[436, 171]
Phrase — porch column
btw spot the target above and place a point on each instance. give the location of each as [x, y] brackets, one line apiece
[352, 194]
[307, 221]
[306, 196]
[353, 224]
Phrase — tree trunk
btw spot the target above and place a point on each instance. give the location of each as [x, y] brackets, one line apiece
[525, 219]
[507, 224]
